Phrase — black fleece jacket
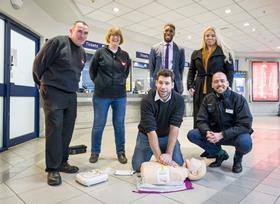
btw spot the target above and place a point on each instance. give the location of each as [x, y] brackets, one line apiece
[109, 71]
[59, 64]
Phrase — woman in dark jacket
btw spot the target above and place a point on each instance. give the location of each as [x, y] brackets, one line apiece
[214, 56]
[109, 70]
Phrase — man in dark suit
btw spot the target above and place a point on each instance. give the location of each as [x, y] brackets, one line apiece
[167, 55]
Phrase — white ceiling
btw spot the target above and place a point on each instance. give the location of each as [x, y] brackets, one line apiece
[190, 18]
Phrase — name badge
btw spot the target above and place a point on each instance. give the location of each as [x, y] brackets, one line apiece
[230, 111]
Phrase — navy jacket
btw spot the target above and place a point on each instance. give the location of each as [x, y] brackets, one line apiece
[229, 114]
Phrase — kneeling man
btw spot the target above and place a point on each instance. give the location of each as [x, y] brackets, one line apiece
[162, 112]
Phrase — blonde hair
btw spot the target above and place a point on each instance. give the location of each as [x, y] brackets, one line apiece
[229, 55]
[114, 31]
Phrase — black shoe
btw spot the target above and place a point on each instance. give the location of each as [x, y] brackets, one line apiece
[122, 158]
[237, 162]
[237, 167]
[54, 178]
[206, 154]
[93, 158]
[67, 168]
[219, 160]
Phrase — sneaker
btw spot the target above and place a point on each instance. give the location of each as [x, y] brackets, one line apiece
[67, 168]
[93, 158]
[237, 167]
[122, 158]
[219, 159]
[54, 178]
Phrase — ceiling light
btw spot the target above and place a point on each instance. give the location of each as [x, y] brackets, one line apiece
[246, 24]
[189, 37]
[116, 9]
[278, 47]
[253, 29]
[227, 11]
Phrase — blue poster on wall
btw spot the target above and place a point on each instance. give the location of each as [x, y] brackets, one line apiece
[239, 81]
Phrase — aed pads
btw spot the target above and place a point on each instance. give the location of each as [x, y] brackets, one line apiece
[91, 177]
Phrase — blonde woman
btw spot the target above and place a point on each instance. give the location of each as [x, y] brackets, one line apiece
[109, 70]
[213, 56]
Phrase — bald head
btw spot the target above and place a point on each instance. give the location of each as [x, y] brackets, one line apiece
[219, 82]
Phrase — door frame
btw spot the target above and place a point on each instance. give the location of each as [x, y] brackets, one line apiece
[11, 89]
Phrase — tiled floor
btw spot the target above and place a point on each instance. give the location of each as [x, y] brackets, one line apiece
[23, 180]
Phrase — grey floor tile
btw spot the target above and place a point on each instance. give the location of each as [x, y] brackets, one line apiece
[11, 200]
[231, 193]
[256, 174]
[50, 194]
[274, 175]
[5, 191]
[118, 193]
[27, 183]
[268, 189]
[4, 165]
[258, 197]
[209, 201]
[199, 194]
[272, 182]
[82, 199]
[215, 180]
[155, 198]
[223, 196]
[246, 183]
[28, 171]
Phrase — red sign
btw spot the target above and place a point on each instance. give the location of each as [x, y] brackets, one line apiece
[265, 81]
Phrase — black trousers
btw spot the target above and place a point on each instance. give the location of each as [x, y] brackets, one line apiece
[60, 109]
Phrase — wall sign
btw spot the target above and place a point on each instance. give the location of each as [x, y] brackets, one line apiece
[92, 45]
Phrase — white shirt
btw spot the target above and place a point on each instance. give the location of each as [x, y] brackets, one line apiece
[170, 57]
[157, 97]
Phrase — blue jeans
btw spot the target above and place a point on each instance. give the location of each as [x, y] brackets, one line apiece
[242, 143]
[101, 107]
[143, 151]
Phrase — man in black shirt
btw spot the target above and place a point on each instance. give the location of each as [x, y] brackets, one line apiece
[224, 118]
[57, 70]
[162, 112]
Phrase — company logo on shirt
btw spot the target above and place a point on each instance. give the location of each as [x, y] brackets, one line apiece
[82, 61]
[123, 63]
